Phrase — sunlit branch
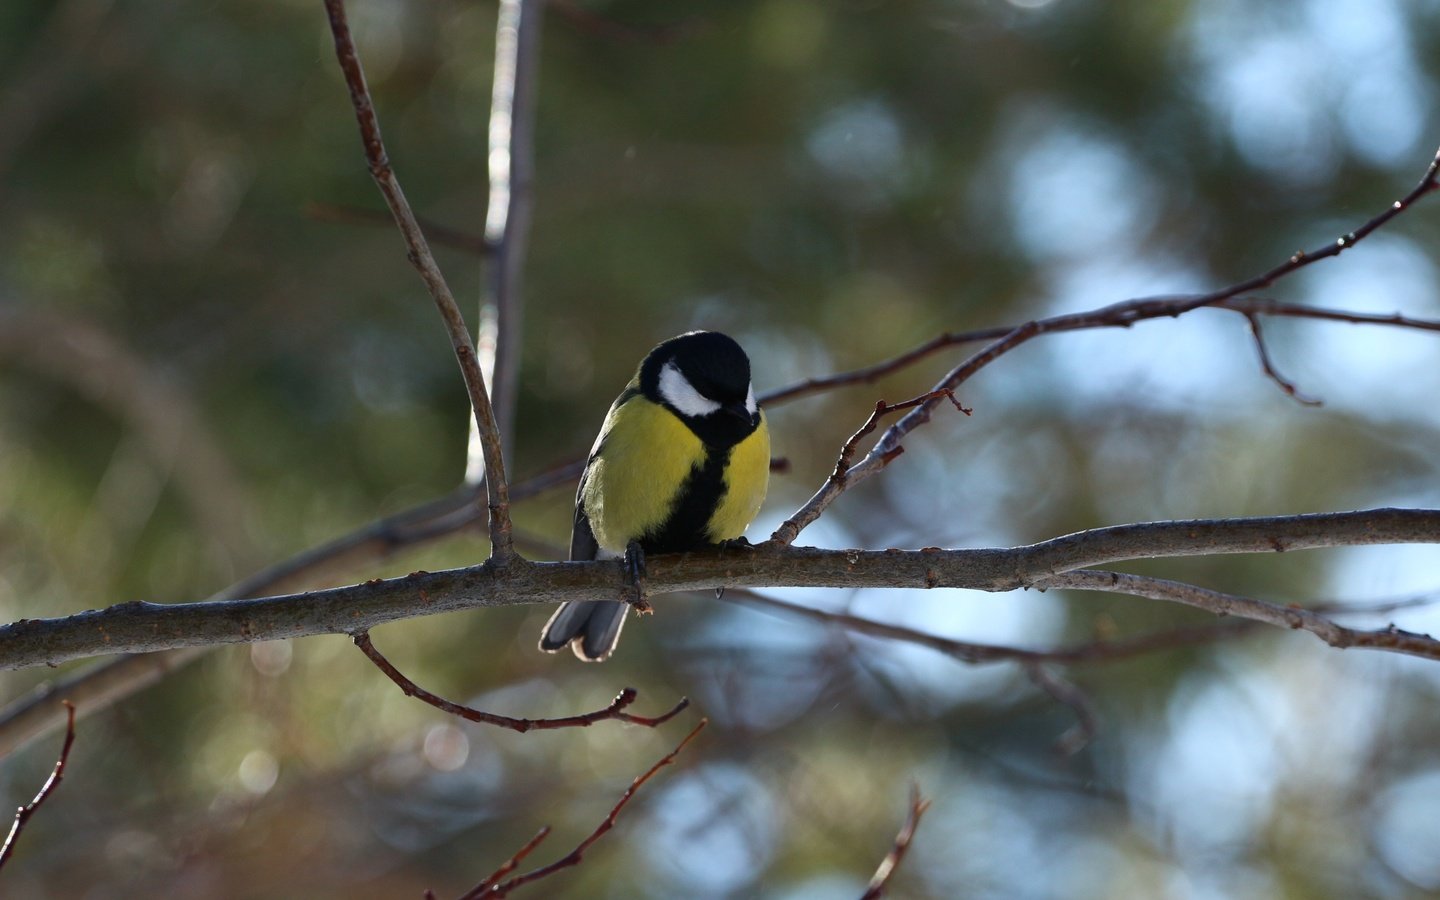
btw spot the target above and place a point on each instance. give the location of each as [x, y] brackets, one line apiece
[508, 213]
[424, 263]
[880, 881]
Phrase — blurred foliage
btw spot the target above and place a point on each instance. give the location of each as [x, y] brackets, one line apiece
[832, 183]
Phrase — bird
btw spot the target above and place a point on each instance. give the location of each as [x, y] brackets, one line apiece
[682, 462]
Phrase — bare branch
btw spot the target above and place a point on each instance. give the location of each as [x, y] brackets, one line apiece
[1222, 604]
[492, 887]
[970, 652]
[23, 814]
[435, 233]
[881, 879]
[615, 711]
[34, 716]
[502, 548]
[1269, 366]
[515, 860]
[1120, 314]
[507, 218]
[144, 627]
[1066, 693]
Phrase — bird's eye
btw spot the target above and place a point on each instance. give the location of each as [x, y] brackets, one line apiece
[676, 390]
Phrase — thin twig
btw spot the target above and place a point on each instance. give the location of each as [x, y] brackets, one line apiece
[23, 814]
[615, 711]
[1268, 365]
[514, 861]
[1223, 604]
[972, 653]
[880, 881]
[847, 450]
[1067, 694]
[491, 888]
[502, 547]
[1121, 315]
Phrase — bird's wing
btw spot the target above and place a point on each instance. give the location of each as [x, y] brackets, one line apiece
[582, 539]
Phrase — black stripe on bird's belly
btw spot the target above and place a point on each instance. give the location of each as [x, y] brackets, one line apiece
[684, 528]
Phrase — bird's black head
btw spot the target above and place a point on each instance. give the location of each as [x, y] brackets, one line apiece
[704, 378]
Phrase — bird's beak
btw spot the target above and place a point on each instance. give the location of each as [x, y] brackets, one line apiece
[739, 411]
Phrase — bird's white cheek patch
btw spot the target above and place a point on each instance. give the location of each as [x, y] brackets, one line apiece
[676, 390]
[750, 405]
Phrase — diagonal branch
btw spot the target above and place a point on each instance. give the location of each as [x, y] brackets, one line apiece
[973, 653]
[1268, 365]
[492, 887]
[24, 813]
[881, 879]
[502, 547]
[615, 711]
[1223, 604]
[1120, 314]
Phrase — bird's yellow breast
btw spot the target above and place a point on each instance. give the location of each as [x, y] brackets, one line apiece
[746, 478]
[646, 454]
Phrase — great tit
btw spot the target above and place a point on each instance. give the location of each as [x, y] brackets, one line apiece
[682, 462]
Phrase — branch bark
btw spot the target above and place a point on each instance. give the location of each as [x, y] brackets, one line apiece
[145, 627]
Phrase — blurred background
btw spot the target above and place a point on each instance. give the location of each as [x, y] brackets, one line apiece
[201, 374]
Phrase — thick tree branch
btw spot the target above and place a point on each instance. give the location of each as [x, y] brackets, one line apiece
[144, 627]
[502, 548]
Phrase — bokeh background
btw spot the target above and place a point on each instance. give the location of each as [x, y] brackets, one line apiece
[199, 376]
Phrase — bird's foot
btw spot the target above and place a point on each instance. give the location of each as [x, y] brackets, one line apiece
[635, 565]
[739, 543]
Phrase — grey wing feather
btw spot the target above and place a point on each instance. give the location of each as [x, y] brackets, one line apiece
[592, 626]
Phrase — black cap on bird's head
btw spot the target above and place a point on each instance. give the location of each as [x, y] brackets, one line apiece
[704, 378]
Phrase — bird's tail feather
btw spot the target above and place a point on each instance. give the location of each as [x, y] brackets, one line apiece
[591, 627]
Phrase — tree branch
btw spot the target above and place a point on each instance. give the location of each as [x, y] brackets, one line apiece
[23, 814]
[972, 653]
[145, 627]
[881, 879]
[493, 887]
[502, 547]
[1119, 314]
[615, 711]
[512, 164]
[1222, 604]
